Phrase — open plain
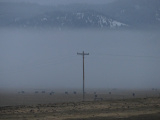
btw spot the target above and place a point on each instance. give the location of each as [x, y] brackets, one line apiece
[69, 106]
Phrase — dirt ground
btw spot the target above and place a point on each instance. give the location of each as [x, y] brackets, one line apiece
[123, 109]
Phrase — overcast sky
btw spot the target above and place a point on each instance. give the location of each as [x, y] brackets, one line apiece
[56, 2]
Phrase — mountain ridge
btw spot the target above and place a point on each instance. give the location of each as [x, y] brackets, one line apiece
[118, 14]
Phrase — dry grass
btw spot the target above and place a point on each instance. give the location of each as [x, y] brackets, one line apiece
[127, 109]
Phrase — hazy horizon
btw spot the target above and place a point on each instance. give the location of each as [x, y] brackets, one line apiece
[48, 58]
[39, 44]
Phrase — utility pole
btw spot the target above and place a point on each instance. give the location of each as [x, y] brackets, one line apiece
[83, 54]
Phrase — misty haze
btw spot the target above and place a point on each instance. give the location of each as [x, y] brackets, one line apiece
[44, 43]
[48, 58]
[39, 44]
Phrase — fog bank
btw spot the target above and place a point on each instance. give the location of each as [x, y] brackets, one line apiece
[48, 58]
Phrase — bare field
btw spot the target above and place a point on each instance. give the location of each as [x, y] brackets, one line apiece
[60, 106]
[34, 97]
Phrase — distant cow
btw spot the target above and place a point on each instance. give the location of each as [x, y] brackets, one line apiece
[133, 94]
[22, 92]
[51, 93]
[43, 92]
[36, 91]
[95, 96]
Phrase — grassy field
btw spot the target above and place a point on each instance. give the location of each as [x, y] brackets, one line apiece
[62, 106]
[129, 109]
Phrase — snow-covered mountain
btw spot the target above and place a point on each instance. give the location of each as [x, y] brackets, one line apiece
[134, 12]
[88, 19]
[117, 14]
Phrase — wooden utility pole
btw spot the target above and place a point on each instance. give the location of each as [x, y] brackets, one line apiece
[83, 54]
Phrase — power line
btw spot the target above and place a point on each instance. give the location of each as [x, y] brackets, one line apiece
[133, 56]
